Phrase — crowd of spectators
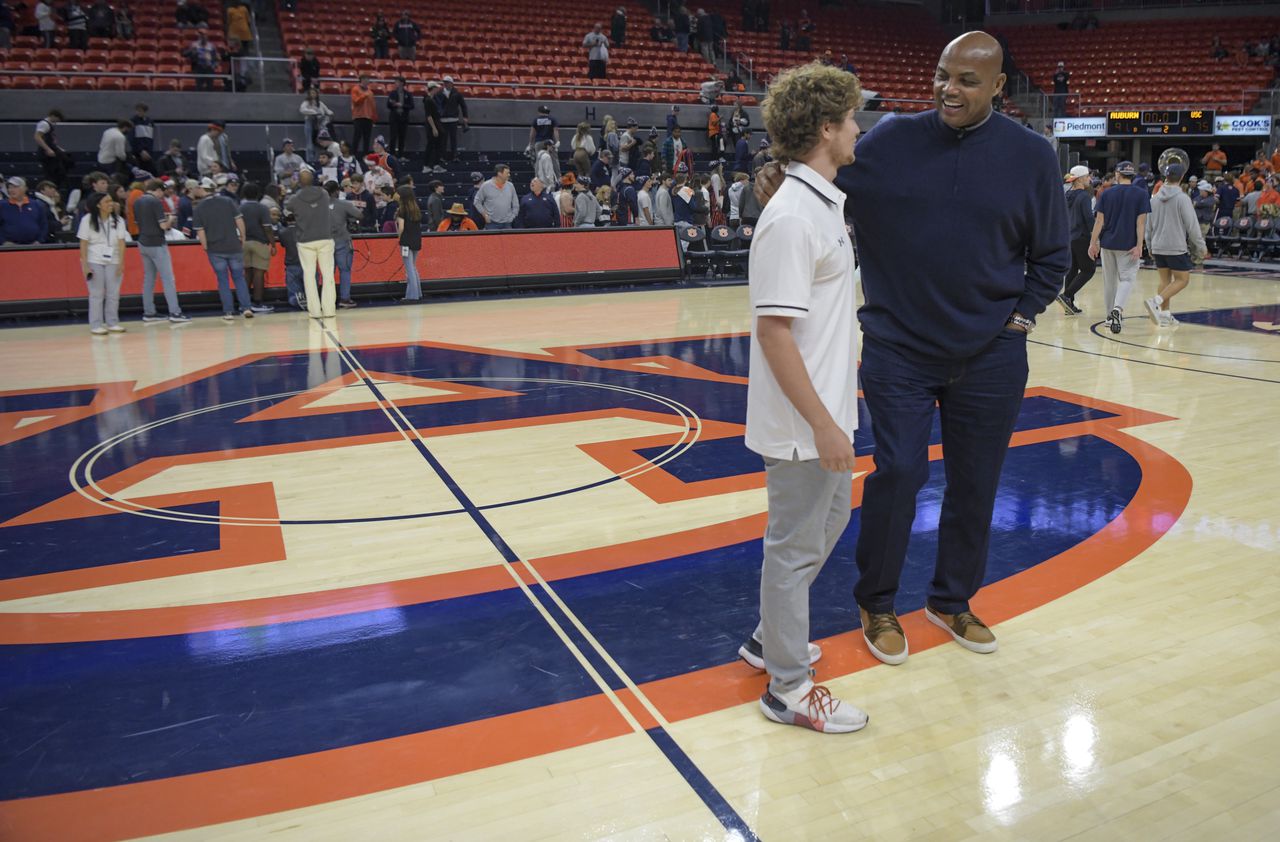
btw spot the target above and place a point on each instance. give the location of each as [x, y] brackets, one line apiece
[613, 176]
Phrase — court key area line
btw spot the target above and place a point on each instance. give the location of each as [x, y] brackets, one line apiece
[661, 738]
[1145, 362]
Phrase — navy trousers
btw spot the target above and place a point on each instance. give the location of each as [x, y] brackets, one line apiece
[978, 399]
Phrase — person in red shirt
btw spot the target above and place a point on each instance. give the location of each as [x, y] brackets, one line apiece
[364, 111]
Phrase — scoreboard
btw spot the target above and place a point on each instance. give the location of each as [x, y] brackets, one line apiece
[1159, 122]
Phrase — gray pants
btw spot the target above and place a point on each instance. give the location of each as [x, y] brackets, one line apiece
[104, 294]
[808, 511]
[1119, 274]
[156, 261]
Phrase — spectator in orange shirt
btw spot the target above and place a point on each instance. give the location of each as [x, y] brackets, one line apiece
[715, 137]
[364, 111]
[1215, 160]
[135, 192]
[1270, 196]
[1275, 159]
[457, 220]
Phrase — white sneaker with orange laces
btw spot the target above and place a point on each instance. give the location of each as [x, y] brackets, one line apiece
[812, 706]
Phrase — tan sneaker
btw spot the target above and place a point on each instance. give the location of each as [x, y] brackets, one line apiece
[884, 636]
[966, 629]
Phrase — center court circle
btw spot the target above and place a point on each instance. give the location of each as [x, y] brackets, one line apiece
[82, 480]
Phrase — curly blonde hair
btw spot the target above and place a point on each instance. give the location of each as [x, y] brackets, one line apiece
[800, 101]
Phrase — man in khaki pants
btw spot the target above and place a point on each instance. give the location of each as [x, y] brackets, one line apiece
[310, 207]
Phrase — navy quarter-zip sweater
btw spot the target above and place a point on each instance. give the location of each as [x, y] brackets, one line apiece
[955, 231]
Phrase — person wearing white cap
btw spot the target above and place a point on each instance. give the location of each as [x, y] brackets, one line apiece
[1205, 201]
[1080, 219]
[454, 110]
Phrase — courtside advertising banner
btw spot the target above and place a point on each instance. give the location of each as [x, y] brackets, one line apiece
[1080, 127]
[1244, 124]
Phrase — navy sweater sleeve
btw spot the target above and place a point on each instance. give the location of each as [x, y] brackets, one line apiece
[955, 231]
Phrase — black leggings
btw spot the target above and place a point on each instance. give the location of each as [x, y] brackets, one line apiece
[363, 136]
[1082, 268]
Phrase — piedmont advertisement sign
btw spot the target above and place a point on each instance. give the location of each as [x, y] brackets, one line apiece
[1080, 127]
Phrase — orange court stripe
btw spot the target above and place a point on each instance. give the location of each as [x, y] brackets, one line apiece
[239, 546]
[636, 709]
[240, 792]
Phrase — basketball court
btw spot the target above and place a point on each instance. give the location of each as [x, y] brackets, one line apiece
[479, 570]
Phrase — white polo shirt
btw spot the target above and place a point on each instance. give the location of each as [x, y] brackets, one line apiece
[801, 266]
[102, 242]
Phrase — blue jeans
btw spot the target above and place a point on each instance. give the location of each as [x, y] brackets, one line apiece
[497, 226]
[979, 399]
[682, 42]
[413, 287]
[343, 256]
[293, 282]
[228, 268]
[156, 261]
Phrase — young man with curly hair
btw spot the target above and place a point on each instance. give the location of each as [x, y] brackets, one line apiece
[944, 328]
[802, 394]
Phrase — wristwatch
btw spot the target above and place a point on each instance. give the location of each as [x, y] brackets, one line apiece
[1021, 321]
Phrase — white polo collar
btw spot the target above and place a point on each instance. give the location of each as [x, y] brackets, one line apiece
[816, 182]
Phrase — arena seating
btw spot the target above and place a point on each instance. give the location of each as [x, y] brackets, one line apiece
[496, 49]
[1164, 62]
[157, 48]
[894, 48]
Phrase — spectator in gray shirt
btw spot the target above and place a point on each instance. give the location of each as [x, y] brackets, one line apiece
[287, 164]
[310, 208]
[497, 200]
[586, 210]
[341, 213]
[597, 44]
[435, 205]
[663, 211]
[153, 221]
[544, 168]
[220, 227]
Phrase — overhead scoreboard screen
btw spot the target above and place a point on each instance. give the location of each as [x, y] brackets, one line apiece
[1160, 122]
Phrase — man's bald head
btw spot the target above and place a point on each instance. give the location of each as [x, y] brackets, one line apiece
[967, 78]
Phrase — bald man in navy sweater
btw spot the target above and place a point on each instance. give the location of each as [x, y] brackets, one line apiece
[962, 241]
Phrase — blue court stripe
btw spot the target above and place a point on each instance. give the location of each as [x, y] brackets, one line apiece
[683, 764]
[710, 796]
[579, 640]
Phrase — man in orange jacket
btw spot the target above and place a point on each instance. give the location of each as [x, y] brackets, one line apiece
[364, 111]
[1215, 161]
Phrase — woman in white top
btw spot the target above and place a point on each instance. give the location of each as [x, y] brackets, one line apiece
[584, 149]
[315, 117]
[102, 237]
